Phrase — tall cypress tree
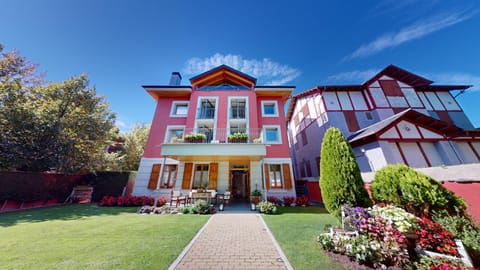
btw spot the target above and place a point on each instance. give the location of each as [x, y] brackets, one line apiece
[340, 179]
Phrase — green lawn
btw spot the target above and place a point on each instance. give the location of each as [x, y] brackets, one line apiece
[296, 230]
[92, 237]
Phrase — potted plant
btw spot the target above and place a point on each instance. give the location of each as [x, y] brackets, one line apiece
[256, 194]
[238, 137]
[195, 138]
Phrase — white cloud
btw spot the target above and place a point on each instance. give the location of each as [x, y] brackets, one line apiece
[456, 78]
[414, 31]
[266, 71]
[355, 76]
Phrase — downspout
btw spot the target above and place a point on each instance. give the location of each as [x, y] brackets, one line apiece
[263, 177]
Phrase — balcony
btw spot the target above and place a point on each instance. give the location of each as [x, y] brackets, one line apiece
[211, 144]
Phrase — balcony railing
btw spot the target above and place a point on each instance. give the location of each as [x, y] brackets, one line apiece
[219, 135]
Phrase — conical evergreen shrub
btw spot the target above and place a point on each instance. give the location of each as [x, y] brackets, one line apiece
[340, 179]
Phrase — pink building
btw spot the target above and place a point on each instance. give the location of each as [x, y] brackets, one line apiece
[395, 117]
[222, 132]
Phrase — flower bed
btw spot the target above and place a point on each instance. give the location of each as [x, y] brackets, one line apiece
[288, 200]
[274, 200]
[130, 201]
[302, 201]
[378, 238]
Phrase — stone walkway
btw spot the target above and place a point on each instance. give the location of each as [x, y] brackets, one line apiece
[233, 241]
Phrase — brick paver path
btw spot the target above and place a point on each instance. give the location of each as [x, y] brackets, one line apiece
[233, 241]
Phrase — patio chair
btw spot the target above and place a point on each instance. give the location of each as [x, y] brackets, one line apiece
[226, 197]
[213, 195]
[178, 198]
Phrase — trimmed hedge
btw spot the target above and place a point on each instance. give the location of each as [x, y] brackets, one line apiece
[108, 183]
[33, 186]
[340, 179]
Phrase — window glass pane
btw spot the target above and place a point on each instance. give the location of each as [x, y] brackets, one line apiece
[275, 175]
[269, 108]
[168, 175]
[271, 134]
[205, 178]
[176, 133]
[200, 178]
[181, 109]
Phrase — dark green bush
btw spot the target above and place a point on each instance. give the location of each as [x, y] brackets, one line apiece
[340, 179]
[402, 186]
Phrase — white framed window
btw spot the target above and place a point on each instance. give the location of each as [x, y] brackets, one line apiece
[269, 108]
[200, 176]
[169, 175]
[174, 134]
[272, 134]
[275, 175]
[179, 109]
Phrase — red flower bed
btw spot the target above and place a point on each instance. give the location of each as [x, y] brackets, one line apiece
[273, 200]
[432, 236]
[130, 201]
[288, 201]
[303, 201]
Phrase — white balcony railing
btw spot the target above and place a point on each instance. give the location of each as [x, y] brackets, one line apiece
[218, 135]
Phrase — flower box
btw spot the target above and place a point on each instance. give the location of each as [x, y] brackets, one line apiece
[238, 138]
[195, 138]
[461, 250]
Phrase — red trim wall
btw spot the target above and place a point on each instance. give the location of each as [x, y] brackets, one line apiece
[469, 192]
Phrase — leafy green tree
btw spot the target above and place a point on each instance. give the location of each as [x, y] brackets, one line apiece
[20, 126]
[62, 126]
[126, 151]
[135, 142]
[340, 179]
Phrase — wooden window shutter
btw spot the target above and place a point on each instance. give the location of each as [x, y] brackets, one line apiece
[287, 181]
[187, 175]
[152, 184]
[212, 176]
[267, 176]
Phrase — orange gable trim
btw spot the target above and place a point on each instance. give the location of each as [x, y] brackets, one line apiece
[223, 75]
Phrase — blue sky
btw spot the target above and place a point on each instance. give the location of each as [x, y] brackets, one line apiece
[125, 44]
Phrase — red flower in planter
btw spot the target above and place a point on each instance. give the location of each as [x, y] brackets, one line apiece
[432, 236]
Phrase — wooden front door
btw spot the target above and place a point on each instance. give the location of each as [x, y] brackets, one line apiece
[239, 183]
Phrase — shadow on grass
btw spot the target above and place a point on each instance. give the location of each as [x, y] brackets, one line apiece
[301, 210]
[66, 212]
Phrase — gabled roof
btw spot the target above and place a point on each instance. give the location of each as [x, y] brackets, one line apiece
[369, 133]
[401, 75]
[223, 75]
[392, 71]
